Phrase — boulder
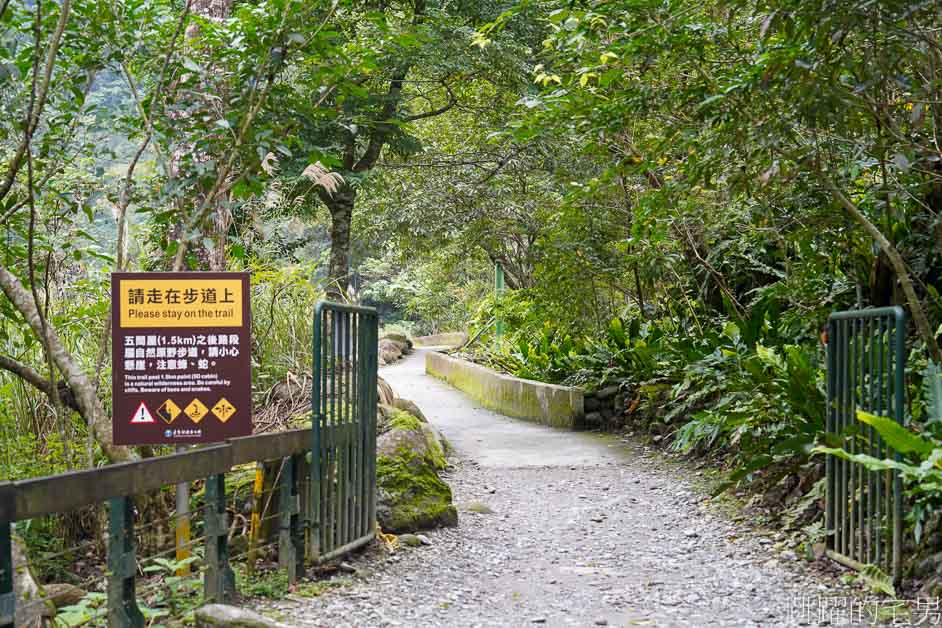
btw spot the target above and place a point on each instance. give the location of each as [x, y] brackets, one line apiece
[411, 495]
[389, 351]
[410, 407]
[408, 434]
[384, 416]
[384, 391]
[223, 615]
[402, 340]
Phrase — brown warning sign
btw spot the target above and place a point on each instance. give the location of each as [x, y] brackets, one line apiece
[181, 357]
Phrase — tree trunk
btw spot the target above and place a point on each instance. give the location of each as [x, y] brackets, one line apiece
[222, 221]
[341, 215]
[918, 313]
[82, 388]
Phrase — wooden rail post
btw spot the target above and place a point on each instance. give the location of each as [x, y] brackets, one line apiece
[219, 580]
[7, 596]
[122, 566]
[290, 538]
[303, 471]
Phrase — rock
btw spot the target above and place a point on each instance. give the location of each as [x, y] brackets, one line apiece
[407, 433]
[411, 495]
[63, 594]
[593, 418]
[788, 555]
[400, 339]
[410, 407]
[384, 392]
[389, 351]
[226, 616]
[608, 392]
[384, 417]
[591, 403]
[31, 605]
[691, 533]
[478, 507]
[410, 540]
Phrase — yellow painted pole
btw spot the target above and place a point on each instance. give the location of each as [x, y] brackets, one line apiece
[182, 529]
[255, 523]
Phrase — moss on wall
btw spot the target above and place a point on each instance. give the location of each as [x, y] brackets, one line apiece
[557, 406]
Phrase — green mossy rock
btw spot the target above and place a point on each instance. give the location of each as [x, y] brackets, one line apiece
[410, 407]
[411, 494]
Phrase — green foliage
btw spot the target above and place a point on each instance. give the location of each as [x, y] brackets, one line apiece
[738, 388]
[268, 584]
[876, 581]
[920, 464]
[283, 302]
[90, 608]
[174, 594]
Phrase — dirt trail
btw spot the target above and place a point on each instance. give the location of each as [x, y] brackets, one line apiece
[584, 530]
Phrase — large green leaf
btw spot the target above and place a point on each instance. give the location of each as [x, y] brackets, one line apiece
[895, 435]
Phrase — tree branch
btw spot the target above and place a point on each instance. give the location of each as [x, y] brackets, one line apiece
[78, 382]
[452, 101]
[899, 265]
[32, 377]
[33, 113]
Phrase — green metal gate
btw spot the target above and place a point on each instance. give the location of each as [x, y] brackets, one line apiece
[343, 455]
[866, 361]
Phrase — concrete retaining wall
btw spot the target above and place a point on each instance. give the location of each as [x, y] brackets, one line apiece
[558, 406]
[451, 339]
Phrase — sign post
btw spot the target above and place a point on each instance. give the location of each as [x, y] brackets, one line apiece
[181, 349]
[181, 365]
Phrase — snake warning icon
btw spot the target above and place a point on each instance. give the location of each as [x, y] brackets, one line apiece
[196, 410]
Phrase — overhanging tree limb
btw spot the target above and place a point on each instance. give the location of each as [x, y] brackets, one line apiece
[896, 260]
[32, 377]
[33, 113]
[82, 388]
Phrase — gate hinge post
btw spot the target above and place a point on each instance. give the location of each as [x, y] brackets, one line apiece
[219, 580]
[290, 536]
[122, 565]
[7, 596]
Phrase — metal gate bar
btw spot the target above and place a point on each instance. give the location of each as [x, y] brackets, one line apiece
[343, 459]
[866, 364]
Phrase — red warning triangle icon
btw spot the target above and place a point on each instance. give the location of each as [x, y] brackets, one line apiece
[142, 415]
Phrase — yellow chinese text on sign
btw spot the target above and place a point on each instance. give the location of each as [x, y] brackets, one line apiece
[180, 302]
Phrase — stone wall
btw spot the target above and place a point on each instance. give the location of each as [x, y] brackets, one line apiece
[605, 408]
[451, 339]
[557, 406]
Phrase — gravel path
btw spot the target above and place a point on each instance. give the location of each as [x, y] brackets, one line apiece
[584, 531]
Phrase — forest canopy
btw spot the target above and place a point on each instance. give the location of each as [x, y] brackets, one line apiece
[677, 194]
